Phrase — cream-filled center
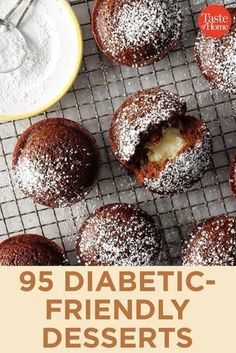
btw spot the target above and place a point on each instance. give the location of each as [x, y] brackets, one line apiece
[167, 147]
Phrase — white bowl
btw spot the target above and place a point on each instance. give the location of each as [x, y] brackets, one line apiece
[51, 27]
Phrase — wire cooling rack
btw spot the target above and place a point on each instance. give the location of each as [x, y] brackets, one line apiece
[99, 90]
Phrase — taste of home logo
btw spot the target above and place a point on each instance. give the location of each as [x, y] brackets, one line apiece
[215, 21]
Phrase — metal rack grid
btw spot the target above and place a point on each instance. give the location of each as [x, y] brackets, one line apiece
[99, 89]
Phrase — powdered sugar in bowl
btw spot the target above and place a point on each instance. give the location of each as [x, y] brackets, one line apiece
[13, 48]
[52, 62]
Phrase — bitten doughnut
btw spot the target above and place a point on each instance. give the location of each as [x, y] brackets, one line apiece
[212, 243]
[233, 176]
[119, 234]
[216, 58]
[136, 32]
[30, 250]
[56, 162]
[167, 151]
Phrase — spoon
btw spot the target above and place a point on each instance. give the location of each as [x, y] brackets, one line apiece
[13, 46]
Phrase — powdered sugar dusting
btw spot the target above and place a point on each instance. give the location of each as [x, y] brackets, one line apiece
[111, 236]
[136, 24]
[12, 48]
[47, 178]
[232, 179]
[180, 173]
[212, 243]
[22, 85]
[56, 162]
[141, 111]
[217, 59]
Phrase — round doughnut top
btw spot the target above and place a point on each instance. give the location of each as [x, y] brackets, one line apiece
[233, 176]
[30, 250]
[136, 32]
[56, 162]
[119, 234]
[216, 58]
[212, 243]
[137, 115]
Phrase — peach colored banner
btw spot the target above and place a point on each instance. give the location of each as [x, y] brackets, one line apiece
[76, 309]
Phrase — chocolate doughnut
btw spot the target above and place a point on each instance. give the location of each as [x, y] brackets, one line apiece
[30, 250]
[232, 179]
[136, 32]
[212, 243]
[56, 162]
[216, 58]
[119, 234]
[167, 151]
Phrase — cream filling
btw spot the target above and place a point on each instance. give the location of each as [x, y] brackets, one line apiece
[167, 148]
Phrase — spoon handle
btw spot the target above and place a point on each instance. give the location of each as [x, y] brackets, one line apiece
[19, 2]
[13, 9]
[25, 12]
